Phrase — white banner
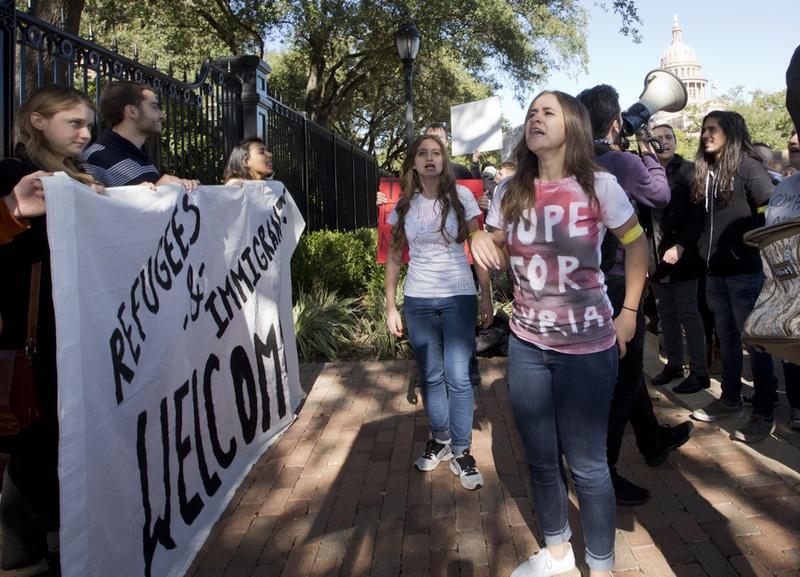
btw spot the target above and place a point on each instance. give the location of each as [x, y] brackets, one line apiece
[476, 126]
[177, 363]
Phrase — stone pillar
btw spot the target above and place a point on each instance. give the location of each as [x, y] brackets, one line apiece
[253, 72]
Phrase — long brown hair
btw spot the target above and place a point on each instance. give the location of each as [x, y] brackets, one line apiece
[579, 161]
[47, 101]
[737, 147]
[446, 193]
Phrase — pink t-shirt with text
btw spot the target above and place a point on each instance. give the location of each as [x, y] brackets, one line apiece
[560, 301]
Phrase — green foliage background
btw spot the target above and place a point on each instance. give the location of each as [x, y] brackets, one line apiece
[340, 306]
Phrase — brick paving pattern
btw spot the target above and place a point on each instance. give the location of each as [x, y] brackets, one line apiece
[338, 495]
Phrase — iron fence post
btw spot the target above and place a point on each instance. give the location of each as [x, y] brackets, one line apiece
[253, 72]
[8, 30]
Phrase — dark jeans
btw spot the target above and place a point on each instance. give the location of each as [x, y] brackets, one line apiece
[791, 374]
[560, 404]
[731, 299]
[677, 308]
[29, 506]
[631, 400]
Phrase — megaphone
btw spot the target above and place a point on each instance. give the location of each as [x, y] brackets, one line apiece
[662, 91]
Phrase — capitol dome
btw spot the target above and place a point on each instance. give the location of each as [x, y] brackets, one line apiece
[680, 59]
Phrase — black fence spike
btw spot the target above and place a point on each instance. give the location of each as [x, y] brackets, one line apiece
[136, 53]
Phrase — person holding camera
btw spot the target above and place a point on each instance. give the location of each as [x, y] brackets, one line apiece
[645, 182]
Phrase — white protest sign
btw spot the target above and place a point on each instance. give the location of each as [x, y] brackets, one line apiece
[476, 126]
[177, 364]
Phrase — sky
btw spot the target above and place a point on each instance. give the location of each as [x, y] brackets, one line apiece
[738, 43]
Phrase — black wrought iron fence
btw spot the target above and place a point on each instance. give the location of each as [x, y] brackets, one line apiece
[202, 117]
[336, 180]
[333, 181]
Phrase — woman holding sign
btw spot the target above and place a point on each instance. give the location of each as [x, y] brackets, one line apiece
[547, 222]
[54, 127]
[249, 160]
[434, 217]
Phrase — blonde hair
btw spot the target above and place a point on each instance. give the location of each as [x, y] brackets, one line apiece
[47, 101]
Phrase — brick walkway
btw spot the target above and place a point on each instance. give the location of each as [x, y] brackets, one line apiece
[338, 496]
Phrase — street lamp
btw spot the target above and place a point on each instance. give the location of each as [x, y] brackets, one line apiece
[407, 41]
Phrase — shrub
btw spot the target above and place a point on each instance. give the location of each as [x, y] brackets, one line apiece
[342, 262]
[372, 336]
[323, 323]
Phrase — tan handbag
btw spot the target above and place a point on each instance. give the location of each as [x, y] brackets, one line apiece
[774, 323]
[19, 400]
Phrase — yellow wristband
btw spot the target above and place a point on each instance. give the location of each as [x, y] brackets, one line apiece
[474, 232]
[632, 234]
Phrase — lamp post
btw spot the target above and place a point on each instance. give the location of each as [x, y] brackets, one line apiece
[407, 41]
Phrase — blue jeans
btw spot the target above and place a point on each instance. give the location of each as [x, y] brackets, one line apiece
[561, 405]
[442, 334]
[731, 298]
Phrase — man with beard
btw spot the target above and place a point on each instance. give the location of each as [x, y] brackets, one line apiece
[118, 158]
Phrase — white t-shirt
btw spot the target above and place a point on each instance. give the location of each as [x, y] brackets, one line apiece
[437, 266]
[560, 301]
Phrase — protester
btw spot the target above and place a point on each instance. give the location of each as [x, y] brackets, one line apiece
[118, 158]
[676, 230]
[433, 218]
[784, 204]
[793, 148]
[54, 125]
[767, 157]
[458, 172]
[506, 169]
[548, 221]
[249, 160]
[644, 180]
[732, 183]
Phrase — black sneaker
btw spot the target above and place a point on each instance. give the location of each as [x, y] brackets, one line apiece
[435, 452]
[692, 384]
[464, 466]
[628, 493]
[748, 399]
[669, 439]
[669, 373]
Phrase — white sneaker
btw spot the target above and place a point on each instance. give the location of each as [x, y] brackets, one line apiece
[435, 452]
[543, 565]
[468, 474]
